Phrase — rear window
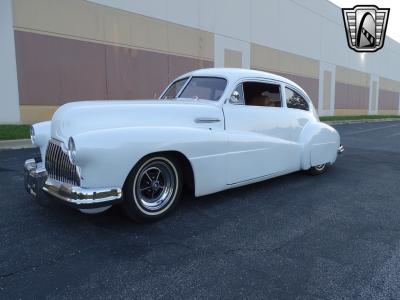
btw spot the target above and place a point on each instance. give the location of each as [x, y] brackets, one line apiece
[295, 100]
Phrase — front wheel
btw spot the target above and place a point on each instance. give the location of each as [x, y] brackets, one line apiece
[319, 169]
[153, 188]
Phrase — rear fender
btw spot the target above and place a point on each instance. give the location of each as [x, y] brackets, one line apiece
[320, 144]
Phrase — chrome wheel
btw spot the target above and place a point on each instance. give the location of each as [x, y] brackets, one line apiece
[155, 185]
[320, 167]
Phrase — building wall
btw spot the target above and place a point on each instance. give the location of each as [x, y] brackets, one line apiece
[125, 49]
[74, 50]
[9, 107]
[352, 92]
[389, 97]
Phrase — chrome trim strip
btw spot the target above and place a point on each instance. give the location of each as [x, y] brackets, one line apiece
[207, 120]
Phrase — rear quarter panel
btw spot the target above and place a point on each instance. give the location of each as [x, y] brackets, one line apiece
[320, 144]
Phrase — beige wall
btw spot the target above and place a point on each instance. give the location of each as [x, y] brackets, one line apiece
[36, 113]
[389, 85]
[233, 59]
[76, 50]
[348, 76]
[351, 91]
[83, 20]
[274, 60]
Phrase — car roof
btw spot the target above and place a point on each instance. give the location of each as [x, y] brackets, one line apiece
[234, 74]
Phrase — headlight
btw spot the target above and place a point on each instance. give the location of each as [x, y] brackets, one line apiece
[72, 151]
[32, 133]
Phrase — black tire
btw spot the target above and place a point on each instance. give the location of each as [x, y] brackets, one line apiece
[317, 170]
[148, 196]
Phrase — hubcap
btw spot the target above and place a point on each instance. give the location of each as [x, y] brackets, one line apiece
[155, 185]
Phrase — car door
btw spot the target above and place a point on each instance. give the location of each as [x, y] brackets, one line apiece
[260, 137]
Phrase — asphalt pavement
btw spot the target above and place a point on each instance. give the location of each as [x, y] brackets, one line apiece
[333, 236]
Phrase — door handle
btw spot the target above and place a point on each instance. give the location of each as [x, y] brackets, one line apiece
[207, 120]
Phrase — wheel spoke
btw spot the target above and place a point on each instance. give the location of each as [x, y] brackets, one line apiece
[148, 176]
[159, 172]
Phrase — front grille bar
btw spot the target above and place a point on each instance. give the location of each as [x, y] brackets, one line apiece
[58, 164]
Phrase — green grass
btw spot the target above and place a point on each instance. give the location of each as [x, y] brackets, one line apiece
[14, 132]
[363, 117]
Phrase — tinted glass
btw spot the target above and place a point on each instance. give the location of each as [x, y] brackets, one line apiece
[295, 100]
[207, 88]
[262, 94]
[174, 89]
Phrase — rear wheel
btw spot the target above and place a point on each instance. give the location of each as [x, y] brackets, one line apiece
[319, 169]
[153, 188]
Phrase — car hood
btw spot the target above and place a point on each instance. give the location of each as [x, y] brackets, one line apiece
[80, 117]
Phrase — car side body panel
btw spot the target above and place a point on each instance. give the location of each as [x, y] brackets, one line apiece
[257, 146]
[205, 149]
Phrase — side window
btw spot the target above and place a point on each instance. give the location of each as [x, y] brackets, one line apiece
[237, 96]
[262, 94]
[294, 100]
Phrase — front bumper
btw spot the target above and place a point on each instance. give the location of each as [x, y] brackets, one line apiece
[38, 184]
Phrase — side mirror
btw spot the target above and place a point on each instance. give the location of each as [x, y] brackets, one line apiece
[235, 97]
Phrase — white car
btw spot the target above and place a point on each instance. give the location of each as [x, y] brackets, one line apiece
[211, 130]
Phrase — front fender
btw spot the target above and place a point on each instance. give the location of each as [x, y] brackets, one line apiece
[42, 136]
[107, 156]
[320, 144]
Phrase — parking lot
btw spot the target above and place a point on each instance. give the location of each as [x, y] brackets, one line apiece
[331, 236]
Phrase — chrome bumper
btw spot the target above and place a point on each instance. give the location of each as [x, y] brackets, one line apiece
[340, 149]
[37, 182]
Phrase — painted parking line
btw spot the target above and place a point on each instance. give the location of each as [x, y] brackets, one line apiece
[371, 129]
[394, 134]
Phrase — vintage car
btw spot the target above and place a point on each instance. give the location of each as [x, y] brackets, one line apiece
[211, 130]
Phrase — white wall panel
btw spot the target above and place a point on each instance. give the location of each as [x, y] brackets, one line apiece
[233, 19]
[332, 69]
[264, 18]
[184, 12]
[373, 95]
[221, 43]
[9, 98]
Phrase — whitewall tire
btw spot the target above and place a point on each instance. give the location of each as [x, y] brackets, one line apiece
[316, 170]
[153, 188]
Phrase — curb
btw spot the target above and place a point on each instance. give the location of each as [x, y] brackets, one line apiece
[16, 144]
[360, 121]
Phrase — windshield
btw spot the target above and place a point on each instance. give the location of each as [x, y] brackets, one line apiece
[207, 88]
[174, 89]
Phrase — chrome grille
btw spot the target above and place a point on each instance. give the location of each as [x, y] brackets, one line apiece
[58, 165]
